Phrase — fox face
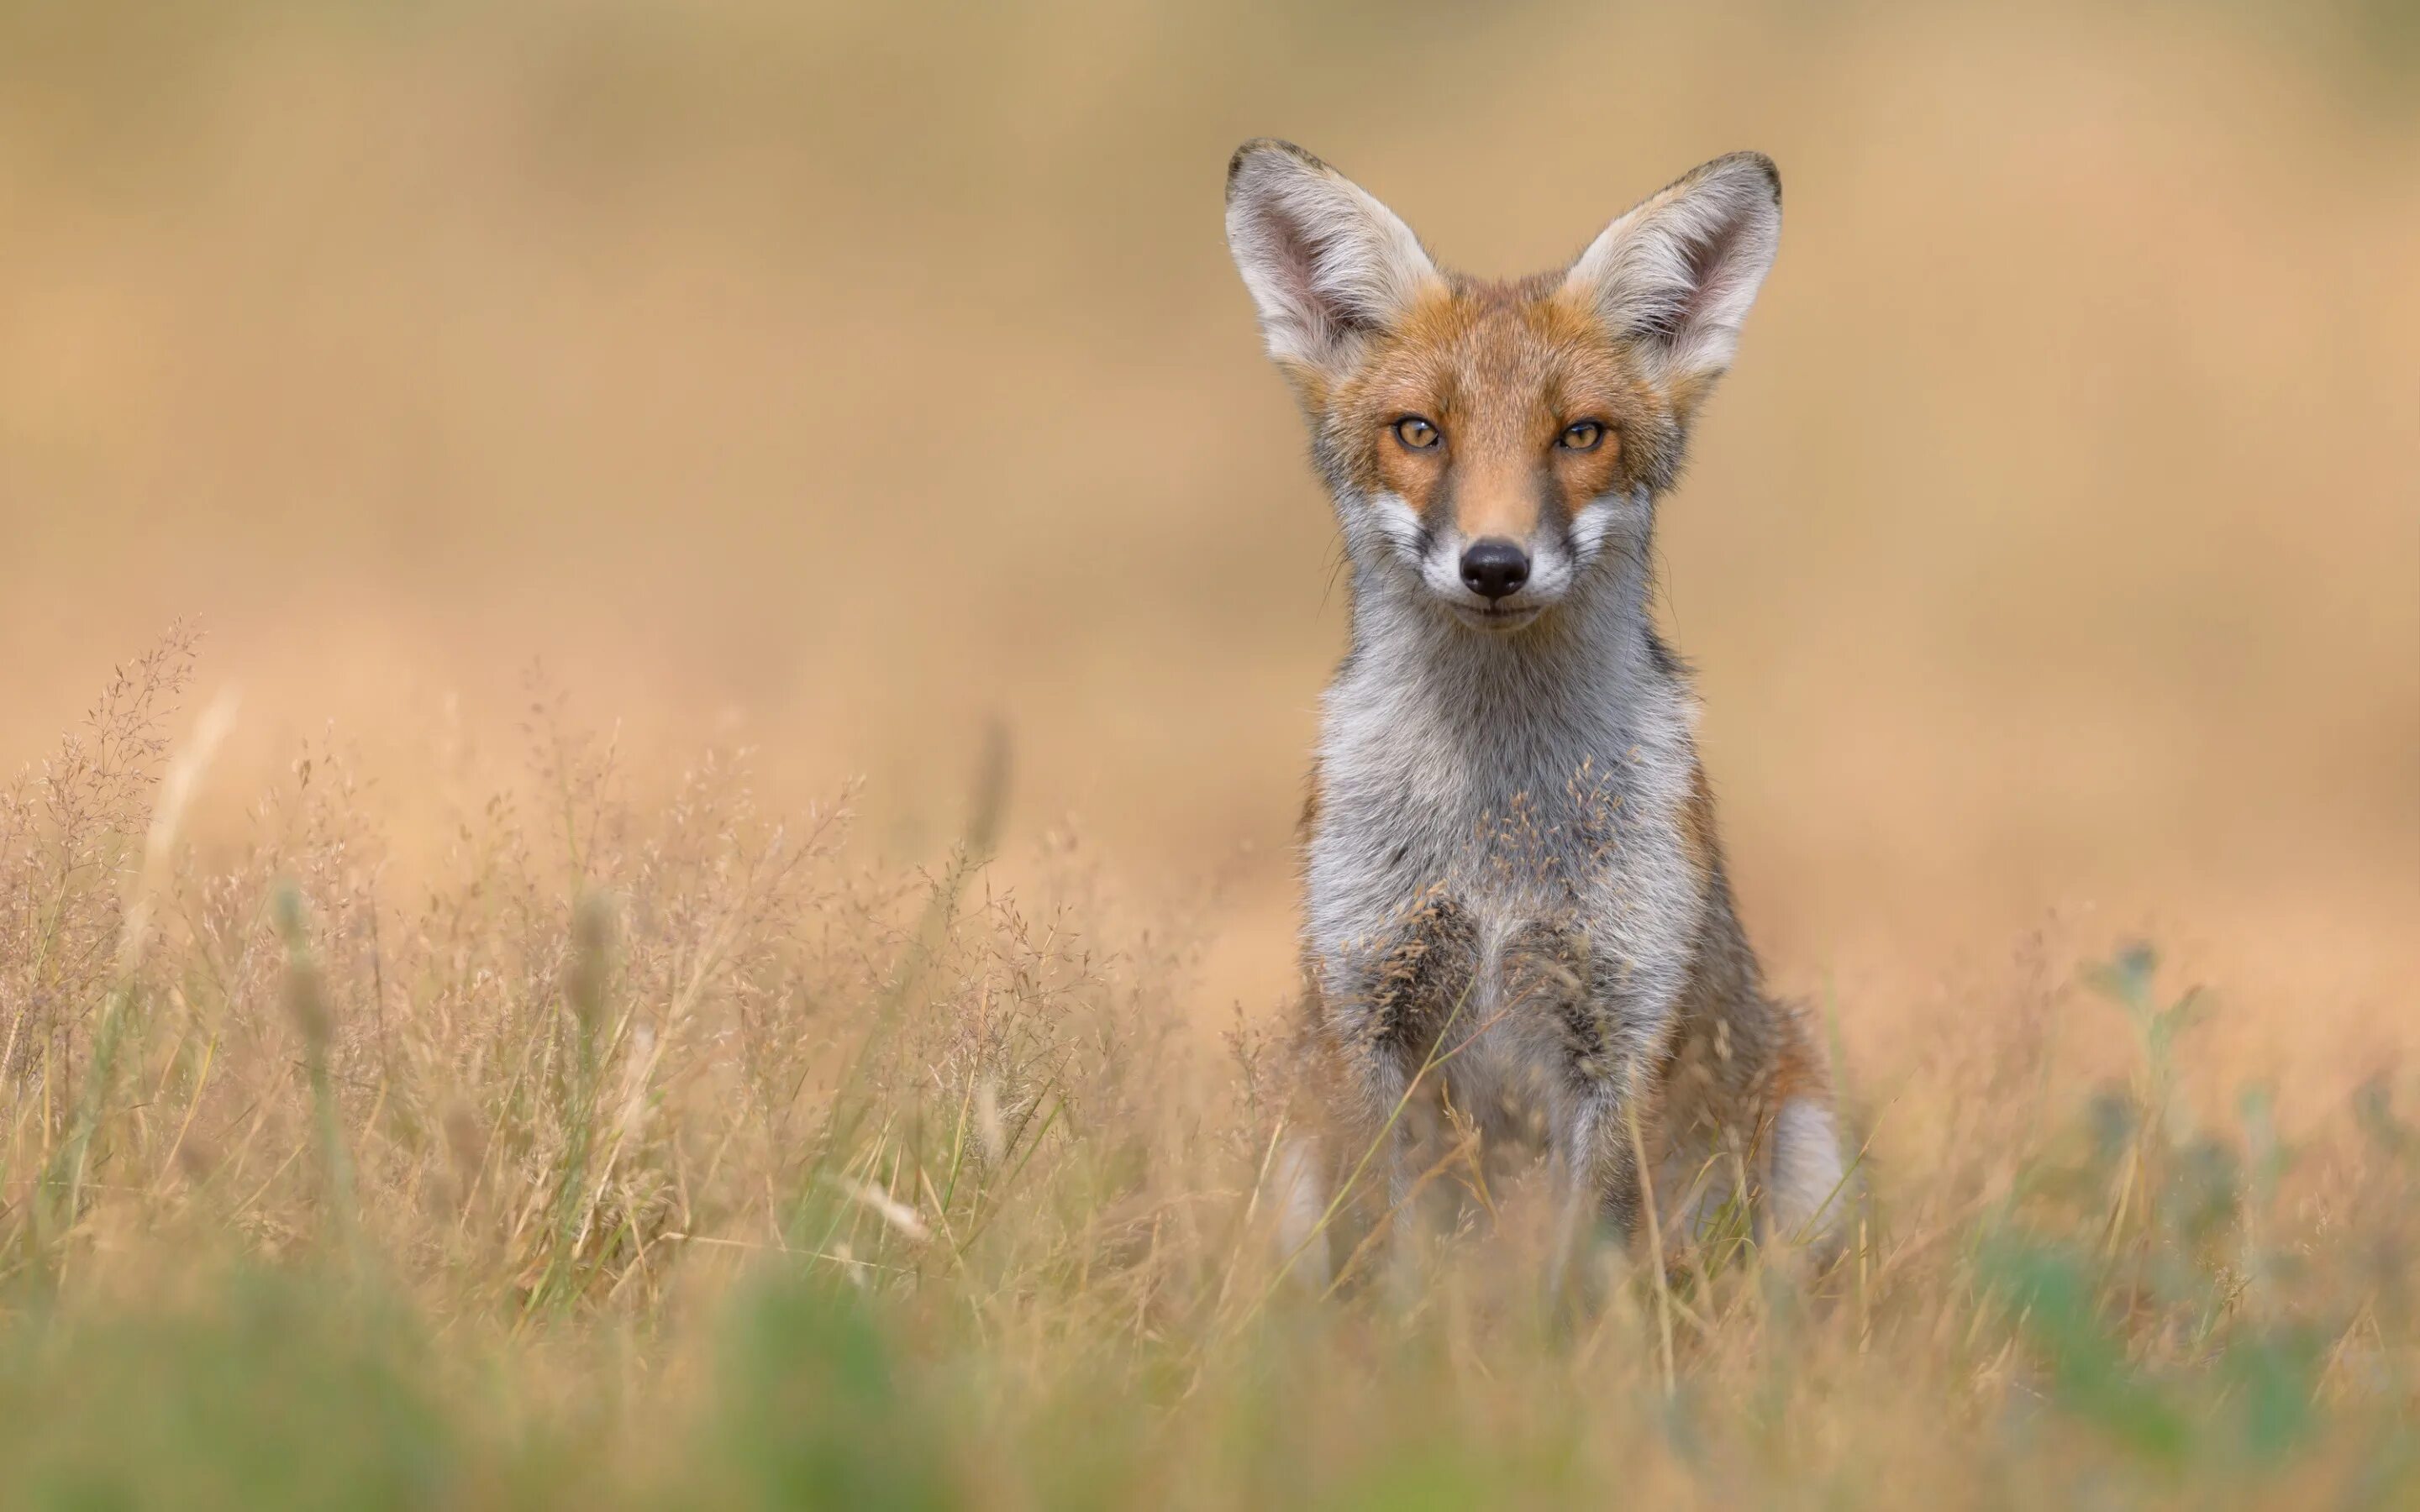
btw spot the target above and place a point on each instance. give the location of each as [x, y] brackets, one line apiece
[1490, 445]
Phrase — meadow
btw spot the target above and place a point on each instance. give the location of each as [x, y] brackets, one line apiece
[654, 668]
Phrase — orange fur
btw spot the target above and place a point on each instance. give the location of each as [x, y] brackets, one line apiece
[1500, 368]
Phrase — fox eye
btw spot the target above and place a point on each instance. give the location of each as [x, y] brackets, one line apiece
[1416, 433]
[1581, 436]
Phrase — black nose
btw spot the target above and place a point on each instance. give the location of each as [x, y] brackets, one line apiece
[1494, 568]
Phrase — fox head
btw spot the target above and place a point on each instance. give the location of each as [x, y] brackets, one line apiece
[1490, 445]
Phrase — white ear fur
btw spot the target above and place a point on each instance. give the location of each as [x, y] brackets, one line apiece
[1324, 259]
[1678, 273]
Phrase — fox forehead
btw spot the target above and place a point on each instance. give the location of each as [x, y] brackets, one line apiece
[1501, 367]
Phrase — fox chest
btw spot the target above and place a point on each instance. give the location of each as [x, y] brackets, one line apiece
[1573, 826]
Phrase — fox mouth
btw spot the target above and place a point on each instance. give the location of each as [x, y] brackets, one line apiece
[1496, 618]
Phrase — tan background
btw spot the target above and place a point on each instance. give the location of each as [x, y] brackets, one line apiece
[835, 383]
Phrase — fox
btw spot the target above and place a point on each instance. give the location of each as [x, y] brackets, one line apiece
[1516, 917]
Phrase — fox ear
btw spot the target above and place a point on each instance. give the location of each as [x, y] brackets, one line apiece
[1677, 273]
[1326, 262]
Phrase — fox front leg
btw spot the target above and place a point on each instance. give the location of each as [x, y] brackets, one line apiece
[1409, 1001]
[1578, 997]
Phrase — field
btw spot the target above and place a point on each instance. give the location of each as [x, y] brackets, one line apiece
[660, 659]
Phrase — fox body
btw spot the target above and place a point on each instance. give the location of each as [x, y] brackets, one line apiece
[1515, 904]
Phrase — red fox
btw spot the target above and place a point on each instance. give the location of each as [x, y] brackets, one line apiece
[1516, 905]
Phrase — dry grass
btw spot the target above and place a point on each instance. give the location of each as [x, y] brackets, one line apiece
[659, 1152]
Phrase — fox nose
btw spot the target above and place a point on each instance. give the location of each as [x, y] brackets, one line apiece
[1494, 568]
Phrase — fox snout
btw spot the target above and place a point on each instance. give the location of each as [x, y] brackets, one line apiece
[1494, 568]
[1497, 575]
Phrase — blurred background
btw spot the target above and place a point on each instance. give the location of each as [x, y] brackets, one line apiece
[838, 381]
